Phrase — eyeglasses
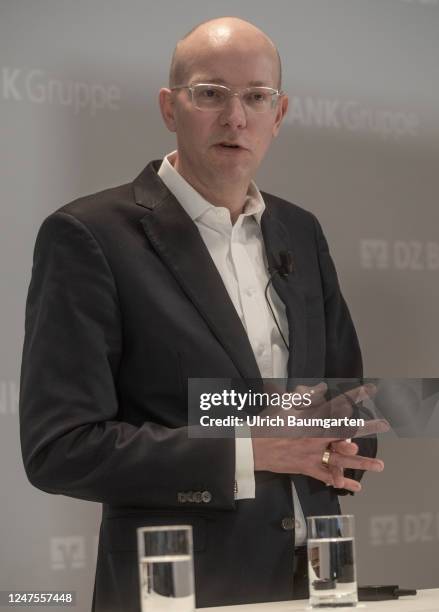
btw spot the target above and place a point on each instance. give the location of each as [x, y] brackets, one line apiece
[212, 97]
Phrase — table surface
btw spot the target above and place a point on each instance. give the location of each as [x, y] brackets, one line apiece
[425, 601]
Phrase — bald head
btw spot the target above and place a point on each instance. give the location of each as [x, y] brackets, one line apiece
[221, 34]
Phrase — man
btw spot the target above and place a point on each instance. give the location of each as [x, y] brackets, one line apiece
[138, 288]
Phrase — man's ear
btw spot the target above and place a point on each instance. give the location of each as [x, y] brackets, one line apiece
[167, 108]
[281, 111]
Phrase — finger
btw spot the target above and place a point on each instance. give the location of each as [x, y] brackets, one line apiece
[321, 387]
[337, 476]
[355, 396]
[352, 485]
[374, 426]
[343, 404]
[322, 473]
[325, 476]
[340, 409]
[317, 394]
[318, 389]
[344, 447]
[335, 408]
[356, 462]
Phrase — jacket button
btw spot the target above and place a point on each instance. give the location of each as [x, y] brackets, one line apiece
[206, 497]
[181, 497]
[198, 496]
[287, 523]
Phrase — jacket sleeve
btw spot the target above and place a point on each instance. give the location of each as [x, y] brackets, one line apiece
[343, 355]
[73, 442]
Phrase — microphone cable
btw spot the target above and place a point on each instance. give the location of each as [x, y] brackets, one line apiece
[285, 268]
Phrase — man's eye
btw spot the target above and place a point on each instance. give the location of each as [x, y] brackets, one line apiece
[209, 93]
[256, 97]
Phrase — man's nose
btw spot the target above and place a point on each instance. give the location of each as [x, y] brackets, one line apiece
[234, 113]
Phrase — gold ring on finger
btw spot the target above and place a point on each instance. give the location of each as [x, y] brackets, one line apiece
[325, 457]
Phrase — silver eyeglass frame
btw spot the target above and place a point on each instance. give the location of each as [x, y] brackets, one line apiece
[275, 93]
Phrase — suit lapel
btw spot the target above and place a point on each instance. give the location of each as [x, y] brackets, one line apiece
[277, 238]
[176, 240]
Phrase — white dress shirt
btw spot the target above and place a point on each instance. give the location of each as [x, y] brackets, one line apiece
[238, 253]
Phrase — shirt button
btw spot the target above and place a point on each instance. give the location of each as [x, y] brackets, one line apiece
[250, 291]
[288, 523]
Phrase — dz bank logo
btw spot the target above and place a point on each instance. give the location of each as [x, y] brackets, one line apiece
[384, 530]
[392, 529]
[67, 552]
[18, 85]
[424, 2]
[351, 115]
[412, 255]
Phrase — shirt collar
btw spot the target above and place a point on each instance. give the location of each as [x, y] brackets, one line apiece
[194, 203]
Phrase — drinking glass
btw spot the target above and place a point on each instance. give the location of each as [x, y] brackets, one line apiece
[331, 561]
[166, 568]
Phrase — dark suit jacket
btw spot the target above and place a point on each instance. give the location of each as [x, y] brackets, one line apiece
[125, 303]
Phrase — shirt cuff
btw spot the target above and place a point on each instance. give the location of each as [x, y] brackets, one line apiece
[244, 465]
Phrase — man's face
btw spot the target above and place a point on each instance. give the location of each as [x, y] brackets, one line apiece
[202, 134]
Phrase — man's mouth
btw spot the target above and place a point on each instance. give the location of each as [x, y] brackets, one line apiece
[229, 145]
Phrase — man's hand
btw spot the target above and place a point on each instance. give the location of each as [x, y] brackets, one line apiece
[344, 447]
[303, 455]
[319, 409]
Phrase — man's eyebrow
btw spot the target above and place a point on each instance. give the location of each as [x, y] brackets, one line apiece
[219, 81]
[258, 84]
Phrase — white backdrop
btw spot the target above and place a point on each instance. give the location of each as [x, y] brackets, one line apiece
[78, 96]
